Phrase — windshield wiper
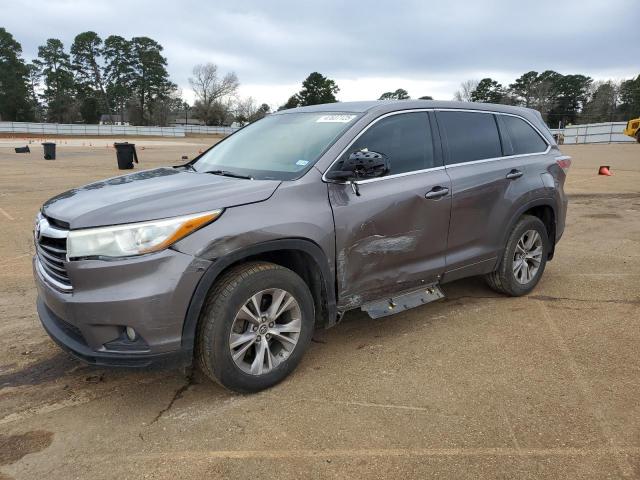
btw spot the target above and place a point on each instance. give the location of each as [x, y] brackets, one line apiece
[227, 173]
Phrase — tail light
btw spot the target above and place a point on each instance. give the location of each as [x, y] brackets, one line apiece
[564, 162]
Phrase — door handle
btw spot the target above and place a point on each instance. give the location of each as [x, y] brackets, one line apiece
[513, 174]
[436, 192]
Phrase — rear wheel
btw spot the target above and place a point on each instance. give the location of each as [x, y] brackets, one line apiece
[638, 136]
[255, 326]
[523, 260]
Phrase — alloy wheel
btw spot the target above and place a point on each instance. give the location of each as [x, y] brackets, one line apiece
[527, 256]
[265, 331]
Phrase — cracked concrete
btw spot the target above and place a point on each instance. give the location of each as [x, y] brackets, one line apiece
[176, 396]
[477, 386]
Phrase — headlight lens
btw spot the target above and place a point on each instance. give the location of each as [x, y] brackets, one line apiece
[135, 238]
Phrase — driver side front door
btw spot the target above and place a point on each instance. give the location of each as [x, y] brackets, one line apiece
[392, 237]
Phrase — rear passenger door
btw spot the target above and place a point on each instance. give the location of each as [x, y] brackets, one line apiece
[392, 234]
[487, 179]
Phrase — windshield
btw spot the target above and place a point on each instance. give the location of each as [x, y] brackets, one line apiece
[278, 147]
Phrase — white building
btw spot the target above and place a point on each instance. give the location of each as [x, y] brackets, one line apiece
[113, 120]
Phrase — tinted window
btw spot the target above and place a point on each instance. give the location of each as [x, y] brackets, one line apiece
[524, 139]
[470, 136]
[404, 138]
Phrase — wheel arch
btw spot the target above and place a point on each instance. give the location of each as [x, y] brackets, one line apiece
[302, 256]
[542, 208]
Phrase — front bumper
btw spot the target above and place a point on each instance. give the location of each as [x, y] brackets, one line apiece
[67, 338]
[150, 293]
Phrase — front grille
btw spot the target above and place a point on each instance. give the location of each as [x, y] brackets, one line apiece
[51, 248]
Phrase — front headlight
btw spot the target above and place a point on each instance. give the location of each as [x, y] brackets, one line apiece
[135, 238]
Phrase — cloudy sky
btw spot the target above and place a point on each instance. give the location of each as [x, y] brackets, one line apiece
[367, 46]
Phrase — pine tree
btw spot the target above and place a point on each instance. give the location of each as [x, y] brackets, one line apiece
[58, 95]
[150, 80]
[14, 81]
[87, 50]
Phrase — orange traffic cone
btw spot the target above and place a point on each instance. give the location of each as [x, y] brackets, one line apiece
[604, 170]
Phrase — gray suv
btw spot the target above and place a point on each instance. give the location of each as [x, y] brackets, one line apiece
[234, 258]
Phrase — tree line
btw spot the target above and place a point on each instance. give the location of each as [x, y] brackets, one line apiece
[127, 78]
[95, 77]
[561, 99]
[116, 79]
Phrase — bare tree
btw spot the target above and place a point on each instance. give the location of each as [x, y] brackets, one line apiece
[466, 89]
[211, 89]
[248, 111]
[245, 110]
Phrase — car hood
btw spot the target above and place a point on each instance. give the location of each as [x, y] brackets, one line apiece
[153, 194]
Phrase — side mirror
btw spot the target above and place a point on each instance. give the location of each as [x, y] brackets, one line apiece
[361, 165]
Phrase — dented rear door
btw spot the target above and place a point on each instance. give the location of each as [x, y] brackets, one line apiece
[391, 237]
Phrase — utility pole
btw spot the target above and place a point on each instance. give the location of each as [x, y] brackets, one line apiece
[186, 113]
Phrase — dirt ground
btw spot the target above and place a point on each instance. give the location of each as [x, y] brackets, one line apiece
[474, 386]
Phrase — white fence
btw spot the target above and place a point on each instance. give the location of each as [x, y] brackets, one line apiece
[202, 130]
[610, 132]
[45, 129]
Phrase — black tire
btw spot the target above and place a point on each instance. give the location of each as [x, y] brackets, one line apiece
[224, 300]
[503, 280]
[638, 136]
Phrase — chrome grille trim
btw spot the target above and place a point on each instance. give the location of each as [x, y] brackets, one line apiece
[54, 250]
[51, 259]
[49, 279]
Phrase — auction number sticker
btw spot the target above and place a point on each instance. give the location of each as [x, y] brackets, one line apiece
[335, 118]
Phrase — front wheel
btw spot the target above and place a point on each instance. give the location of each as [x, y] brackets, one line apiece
[255, 326]
[523, 260]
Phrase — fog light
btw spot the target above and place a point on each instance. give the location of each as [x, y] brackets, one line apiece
[131, 333]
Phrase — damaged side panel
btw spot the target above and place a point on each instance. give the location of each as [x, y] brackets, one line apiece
[390, 238]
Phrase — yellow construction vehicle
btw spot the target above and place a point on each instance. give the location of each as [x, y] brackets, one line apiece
[633, 128]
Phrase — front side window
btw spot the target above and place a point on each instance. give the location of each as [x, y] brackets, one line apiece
[278, 147]
[522, 137]
[405, 139]
[470, 136]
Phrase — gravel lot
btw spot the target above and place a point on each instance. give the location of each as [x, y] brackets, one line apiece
[474, 386]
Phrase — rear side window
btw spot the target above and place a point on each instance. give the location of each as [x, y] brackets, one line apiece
[470, 136]
[521, 136]
[404, 138]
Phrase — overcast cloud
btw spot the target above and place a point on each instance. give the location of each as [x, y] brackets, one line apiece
[368, 47]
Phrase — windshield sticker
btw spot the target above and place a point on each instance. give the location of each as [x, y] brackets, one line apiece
[335, 118]
[302, 163]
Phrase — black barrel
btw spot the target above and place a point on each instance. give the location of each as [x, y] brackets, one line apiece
[126, 153]
[49, 150]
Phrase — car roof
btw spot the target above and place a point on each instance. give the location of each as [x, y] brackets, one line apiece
[381, 107]
[392, 105]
